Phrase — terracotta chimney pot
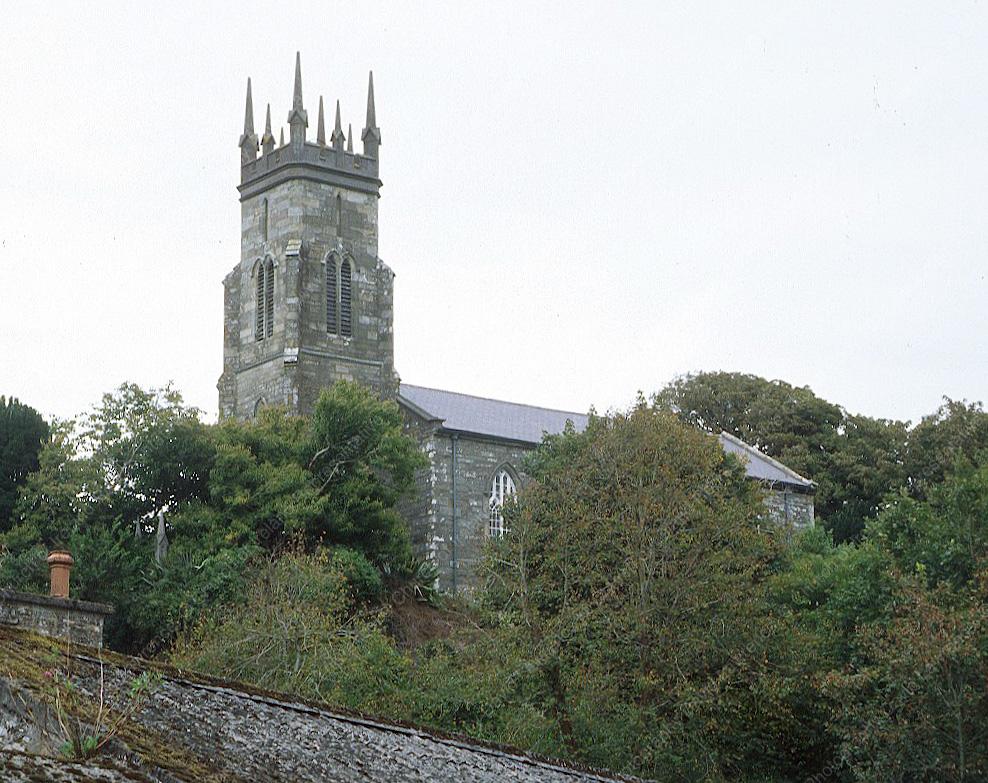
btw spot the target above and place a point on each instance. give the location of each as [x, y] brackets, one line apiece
[60, 564]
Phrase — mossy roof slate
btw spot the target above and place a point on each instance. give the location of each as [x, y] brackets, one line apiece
[196, 728]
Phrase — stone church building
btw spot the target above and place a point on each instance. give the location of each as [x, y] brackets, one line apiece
[310, 302]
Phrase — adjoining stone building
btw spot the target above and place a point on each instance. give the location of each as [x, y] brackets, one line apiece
[311, 303]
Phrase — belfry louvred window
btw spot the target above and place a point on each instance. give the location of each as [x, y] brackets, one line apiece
[339, 296]
[346, 310]
[259, 303]
[332, 294]
[502, 488]
[263, 299]
[269, 298]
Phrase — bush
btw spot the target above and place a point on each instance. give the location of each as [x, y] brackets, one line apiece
[364, 579]
[297, 633]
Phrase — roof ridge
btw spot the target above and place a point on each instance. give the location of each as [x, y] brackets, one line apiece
[492, 399]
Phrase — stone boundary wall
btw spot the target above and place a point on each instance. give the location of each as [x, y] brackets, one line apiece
[78, 622]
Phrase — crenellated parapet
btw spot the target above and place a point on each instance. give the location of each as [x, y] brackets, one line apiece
[312, 162]
[334, 163]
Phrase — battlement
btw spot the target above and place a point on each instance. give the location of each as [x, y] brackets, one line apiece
[335, 163]
[312, 162]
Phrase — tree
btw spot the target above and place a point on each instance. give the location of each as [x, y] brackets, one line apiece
[915, 707]
[363, 463]
[632, 589]
[957, 429]
[23, 433]
[332, 479]
[226, 493]
[943, 538]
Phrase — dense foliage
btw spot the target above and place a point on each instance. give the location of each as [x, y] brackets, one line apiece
[223, 495]
[640, 614]
[22, 434]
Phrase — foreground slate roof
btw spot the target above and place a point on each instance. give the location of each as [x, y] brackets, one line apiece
[195, 728]
[482, 416]
[30, 768]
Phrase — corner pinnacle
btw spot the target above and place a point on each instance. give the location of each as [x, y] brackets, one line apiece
[248, 140]
[371, 135]
[249, 113]
[297, 94]
[371, 112]
[298, 119]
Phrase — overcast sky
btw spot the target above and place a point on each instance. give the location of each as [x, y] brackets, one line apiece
[580, 200]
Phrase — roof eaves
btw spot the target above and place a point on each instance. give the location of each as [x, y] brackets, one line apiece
[488, 436]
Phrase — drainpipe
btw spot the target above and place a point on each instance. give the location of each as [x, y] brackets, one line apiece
[454, 437]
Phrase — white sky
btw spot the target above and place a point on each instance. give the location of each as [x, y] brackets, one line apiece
[579, 201]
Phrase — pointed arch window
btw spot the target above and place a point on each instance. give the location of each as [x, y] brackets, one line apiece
[264, 299]
[339, 295]
[502, 488]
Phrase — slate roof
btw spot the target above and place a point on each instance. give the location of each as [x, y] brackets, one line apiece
[526, 423]
[195, 729]
[763, 467]
[484, 416]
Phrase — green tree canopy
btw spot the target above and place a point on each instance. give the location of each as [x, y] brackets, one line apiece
[957, 429]
[225, 492]
[633, 582]
[23, 433]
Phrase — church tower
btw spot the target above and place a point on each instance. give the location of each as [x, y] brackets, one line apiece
[310, 302]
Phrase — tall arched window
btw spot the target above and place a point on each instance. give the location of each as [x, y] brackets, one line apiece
[339, 215]
[502, 488]
[346, 308]
[339, 295]
[264, 220]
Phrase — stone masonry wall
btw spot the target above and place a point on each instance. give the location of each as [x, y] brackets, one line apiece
[300, 357]
[419, 507]
[795, 508]
[456, 553]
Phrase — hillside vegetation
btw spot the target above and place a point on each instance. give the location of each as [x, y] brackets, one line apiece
[640, 615]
